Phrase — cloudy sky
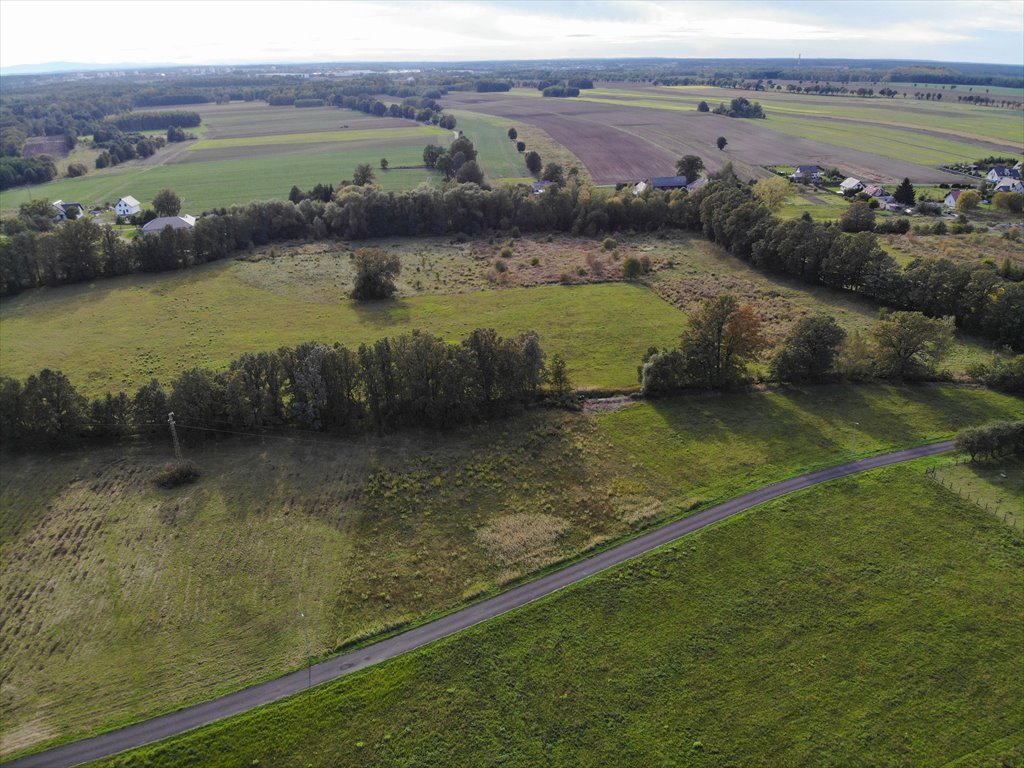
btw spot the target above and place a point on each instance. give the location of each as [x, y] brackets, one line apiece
[186, 32]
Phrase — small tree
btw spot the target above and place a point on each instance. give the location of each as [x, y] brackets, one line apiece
[703, 107]
[520, 146]
[383, 163]
[362, 175]
[533, 162]
[513, 134]
[809, 351]
[721, 142]
[689, 166]
[773, 191]
[375, 273]
[968, 201]
[469, 173]
[910, 345]
[905, 194]
[632, 268]
[166, 203]
[553, 172]
[76, 169]
[858, 217]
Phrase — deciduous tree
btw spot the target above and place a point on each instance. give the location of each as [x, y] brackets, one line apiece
[167, 203]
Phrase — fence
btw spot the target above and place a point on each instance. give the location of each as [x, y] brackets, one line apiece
[964, 492]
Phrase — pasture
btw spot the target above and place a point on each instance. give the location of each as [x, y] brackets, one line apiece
[872, 620]
[134, 328]
[130, 600]
[252, 151]
[629, 132]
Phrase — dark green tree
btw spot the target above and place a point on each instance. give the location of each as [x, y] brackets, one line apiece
[533, 162]
[513, 134]
[554, 173]
[905, 194]
[167, 203]
[809, 352]
[721, 141]
[689, 166]
[703, 107]
[375, 273]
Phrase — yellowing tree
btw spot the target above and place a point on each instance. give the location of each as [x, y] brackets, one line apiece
[772, 192]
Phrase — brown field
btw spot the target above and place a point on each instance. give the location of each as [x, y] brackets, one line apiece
[619, 142]
[54, 146]
[969, 249]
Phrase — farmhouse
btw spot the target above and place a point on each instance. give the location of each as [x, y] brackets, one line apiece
[808, 172]
[62, 210]
[951, 198]
[668, 182]
[1009, 185]
[127, 206]
[875, 190]
[539, 187]
[156, 226]
[850, 185]
[999, 172]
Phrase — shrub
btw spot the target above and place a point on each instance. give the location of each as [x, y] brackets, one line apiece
[500, 266]
[177, 473]
[534, 261]
[77, 169]
[506, 253]
[631, 268]
[375, 274]
[610, 244]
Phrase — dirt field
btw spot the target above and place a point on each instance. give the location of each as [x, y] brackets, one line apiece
[629, 134]
[54, 146]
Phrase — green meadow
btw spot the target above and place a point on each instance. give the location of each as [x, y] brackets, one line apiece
[873, 620]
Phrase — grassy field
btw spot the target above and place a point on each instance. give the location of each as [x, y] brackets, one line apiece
[996, 487]
[256, 152]
[128, 330]
[822, 204]
[872, 621]
[130, 600]
[497, 154]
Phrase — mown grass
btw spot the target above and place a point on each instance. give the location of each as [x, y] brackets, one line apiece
[874, 620]
[128, 330]
[497, 154]
[421, 133]
[128, 600]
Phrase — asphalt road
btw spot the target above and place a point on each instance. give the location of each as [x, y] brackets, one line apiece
[186, 719]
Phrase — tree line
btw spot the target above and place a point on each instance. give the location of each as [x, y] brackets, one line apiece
[156, 121]
[413, 380]
[992, 441]
[726, 211]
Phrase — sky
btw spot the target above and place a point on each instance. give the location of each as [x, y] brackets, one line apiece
[218, 32]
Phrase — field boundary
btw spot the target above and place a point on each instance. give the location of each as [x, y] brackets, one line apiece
[213, 710]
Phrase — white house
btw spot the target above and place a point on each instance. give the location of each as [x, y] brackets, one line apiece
[640, 187]
[999, 172]
[127, 206]
[851, 185]
[63, 211]
[810, 172]
[156, 226]
[1009, 185]
[951, 198]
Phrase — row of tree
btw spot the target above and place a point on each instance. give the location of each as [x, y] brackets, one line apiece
[414, 380]
[15, 171]
[724, 337]
[156, 121]
[725, 211]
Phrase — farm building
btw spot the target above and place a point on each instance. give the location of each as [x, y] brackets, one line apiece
[156, 226]
[850, 185]
[539, 187]
[697, 184]
[808, 172]
[668, 182]
[951, 198]
[62, 210]
[127, 206]
[640, 188]
[875, 190]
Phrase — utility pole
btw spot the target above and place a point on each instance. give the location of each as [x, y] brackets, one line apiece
[309, 669]
[174, 436]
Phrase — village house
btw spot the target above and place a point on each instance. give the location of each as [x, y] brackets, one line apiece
[952, 197]
[63, 211]
[1009, 185]
[875, 190]
[156, 226]
[850, 185]
[999, 173]
[538, 187]
[127, 206]
[806, 173]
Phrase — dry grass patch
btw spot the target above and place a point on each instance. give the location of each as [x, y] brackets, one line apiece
[523, 541]
[969, 250]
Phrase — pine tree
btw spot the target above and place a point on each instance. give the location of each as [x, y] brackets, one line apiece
[904, 193]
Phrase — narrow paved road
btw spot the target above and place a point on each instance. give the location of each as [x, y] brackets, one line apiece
[249, 698]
